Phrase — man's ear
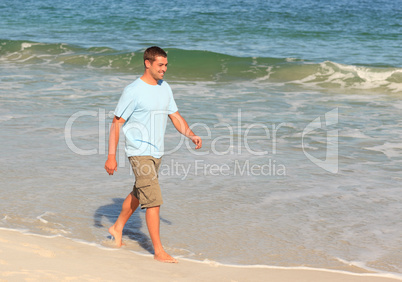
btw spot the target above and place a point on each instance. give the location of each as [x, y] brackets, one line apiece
[147, 64]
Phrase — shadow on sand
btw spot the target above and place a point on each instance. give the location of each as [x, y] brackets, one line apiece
[132, 229]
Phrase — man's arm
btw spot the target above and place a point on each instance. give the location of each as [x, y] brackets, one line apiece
[111, 163]
[181, 125]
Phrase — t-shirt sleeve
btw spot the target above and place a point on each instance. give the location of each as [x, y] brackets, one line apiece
[172, 104]
[126, 105]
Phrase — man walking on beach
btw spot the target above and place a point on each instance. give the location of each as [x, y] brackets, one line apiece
[142, 110]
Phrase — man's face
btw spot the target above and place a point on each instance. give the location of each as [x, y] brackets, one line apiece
[158, 68]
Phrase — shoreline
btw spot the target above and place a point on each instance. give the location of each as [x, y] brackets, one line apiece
[37, 257]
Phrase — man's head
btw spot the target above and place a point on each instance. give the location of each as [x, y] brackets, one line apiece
[152, 52]
[155, 62]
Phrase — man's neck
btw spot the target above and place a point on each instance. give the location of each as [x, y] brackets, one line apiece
[149, 79]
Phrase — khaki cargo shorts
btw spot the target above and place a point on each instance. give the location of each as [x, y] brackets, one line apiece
[146, 187]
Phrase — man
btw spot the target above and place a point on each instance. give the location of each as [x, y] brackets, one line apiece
[143, 109]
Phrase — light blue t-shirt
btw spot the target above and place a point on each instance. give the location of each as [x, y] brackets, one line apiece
[145, 109]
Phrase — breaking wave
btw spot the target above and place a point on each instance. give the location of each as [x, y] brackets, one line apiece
[209, 66]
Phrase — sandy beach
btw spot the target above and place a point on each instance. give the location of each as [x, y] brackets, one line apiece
[299, 107]
[35, 258]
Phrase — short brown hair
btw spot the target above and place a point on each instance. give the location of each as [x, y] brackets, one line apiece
[152, 52]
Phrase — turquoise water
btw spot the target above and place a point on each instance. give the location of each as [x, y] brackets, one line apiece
[362, 32]
[298, 102]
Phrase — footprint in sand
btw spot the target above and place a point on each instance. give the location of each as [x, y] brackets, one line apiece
[40, 251]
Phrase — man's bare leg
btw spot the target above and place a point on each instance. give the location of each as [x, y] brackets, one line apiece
[129, 206]
[152, 218]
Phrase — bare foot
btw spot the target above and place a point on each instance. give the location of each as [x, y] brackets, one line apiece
[164, 257]
[117, 236]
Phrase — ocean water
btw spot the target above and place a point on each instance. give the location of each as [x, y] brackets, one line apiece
[298, 103]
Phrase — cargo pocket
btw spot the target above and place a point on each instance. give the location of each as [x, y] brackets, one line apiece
[144, 193]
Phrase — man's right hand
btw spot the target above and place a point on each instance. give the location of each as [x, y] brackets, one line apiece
[111, 165]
